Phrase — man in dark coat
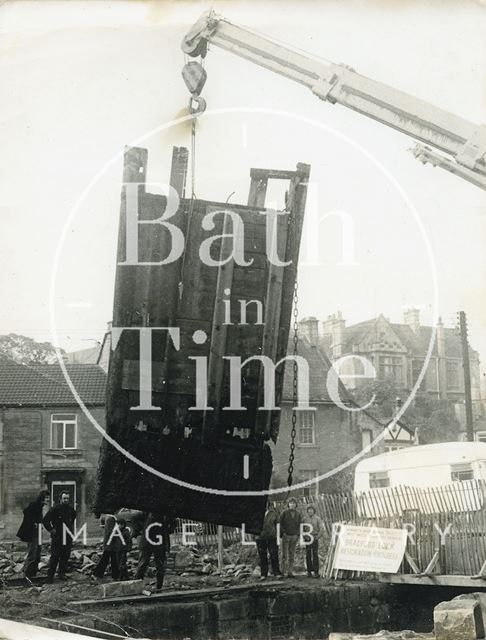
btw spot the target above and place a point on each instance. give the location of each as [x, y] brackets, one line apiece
[59, 521]
[290, 521]
[122, 545]
[155, 539]
[267, 542]
[30, 532]
[109, 555]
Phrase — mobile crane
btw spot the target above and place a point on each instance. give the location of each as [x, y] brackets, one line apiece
[463, 143]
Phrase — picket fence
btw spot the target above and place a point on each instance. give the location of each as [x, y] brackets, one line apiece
[448, 523]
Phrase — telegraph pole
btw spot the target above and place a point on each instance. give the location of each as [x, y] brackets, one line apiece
[467, 376]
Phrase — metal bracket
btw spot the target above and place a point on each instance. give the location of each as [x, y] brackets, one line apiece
[474, 148]
[323, 87]
[426, 155]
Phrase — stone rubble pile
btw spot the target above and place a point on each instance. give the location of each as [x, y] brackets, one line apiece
[184, 560]
[462, 618]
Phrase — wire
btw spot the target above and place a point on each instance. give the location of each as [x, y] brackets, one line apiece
[193, 157]
[282, 43]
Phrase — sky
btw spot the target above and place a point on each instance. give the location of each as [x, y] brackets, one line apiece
[80, 80]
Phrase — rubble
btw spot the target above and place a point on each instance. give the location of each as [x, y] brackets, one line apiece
[125, 588]
[458, 620]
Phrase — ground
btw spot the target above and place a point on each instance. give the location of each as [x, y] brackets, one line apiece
[187, 568]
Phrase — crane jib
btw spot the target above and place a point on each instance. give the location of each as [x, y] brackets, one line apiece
[463, 142]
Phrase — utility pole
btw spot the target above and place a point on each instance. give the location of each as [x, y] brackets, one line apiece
[467, 376]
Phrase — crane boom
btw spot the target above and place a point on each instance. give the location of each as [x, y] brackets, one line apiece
[464, 142]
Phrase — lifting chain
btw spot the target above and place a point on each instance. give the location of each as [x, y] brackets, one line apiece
[295, 370]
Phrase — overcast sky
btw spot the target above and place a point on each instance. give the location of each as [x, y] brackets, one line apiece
[79, 80]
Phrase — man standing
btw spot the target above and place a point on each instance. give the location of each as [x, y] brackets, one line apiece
[122, 545]
[290, 520]
[267, 543]
[155, 539]
[109, 555]
[59, 521]
[315, 528]
[30, 532]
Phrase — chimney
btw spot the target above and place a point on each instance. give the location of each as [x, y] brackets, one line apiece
[327, 326]
[337, 335]
[309, 327]
[411, 317]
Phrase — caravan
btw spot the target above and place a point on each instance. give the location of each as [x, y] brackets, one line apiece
[449, 475]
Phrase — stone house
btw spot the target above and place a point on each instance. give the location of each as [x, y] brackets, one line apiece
[399, 351]
[327, 436]
[46, 440]
[330, 438]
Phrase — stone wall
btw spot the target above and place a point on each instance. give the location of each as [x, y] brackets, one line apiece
[283, 611]
[29, 464]
[259, 612]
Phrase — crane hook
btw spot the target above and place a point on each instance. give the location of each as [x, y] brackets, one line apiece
[197, 105]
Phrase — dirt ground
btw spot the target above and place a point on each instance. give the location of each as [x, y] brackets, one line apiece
[187, 569]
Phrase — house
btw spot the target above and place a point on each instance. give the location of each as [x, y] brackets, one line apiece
[46, 440]
[399, 435]
[399, 351]
[328, 436]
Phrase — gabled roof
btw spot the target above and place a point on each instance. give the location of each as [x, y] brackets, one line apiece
[319, 365]
[318, 369]
[44, 385]
[417, 343]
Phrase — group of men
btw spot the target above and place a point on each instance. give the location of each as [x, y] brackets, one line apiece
[59, 521]
[289, 527]
[283, 529]
[154, 529]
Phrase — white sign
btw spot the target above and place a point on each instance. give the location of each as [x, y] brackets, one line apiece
[370, 549]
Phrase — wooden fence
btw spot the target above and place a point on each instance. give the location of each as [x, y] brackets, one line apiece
[203, 533]
[460, 497]
[446, 525]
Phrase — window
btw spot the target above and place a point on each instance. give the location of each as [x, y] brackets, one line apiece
[480, 436]
[391, 367]
[392, 447]
[452, 375]
[306, 427]
[395, 446]
[417, 366]
[64, 431]
[461, 472]
[366, 438]
[312, 489]
[379, 480]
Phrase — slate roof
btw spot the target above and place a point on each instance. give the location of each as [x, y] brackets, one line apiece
[416, 343]
[319, 366]
[44, 385]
